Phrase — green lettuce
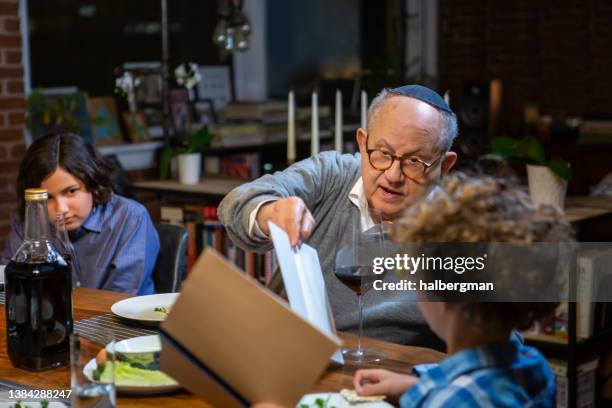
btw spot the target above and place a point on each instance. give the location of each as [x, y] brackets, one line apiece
[126, 375]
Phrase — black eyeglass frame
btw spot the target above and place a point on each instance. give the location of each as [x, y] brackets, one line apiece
[400, 159]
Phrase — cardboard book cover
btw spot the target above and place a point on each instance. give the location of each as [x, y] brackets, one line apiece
[232, 343]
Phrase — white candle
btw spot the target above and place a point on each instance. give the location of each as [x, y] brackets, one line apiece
[291, 129]
[364, 109]
[338, 134]
[314, 125]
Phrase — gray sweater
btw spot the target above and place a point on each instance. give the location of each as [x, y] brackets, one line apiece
[324, 182]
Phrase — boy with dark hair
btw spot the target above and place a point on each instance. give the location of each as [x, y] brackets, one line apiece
[484, 367]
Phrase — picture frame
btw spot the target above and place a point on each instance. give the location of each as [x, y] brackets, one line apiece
[180, 109]
[104, 121]
[149, 92]
[59, 110]
[136, 126]
[205, 112]
[215, 85]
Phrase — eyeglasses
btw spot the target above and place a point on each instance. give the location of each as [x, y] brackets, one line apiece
[412, 167]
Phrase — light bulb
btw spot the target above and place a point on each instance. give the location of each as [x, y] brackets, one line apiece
[229, 39]
[242, 40]
[219, 36]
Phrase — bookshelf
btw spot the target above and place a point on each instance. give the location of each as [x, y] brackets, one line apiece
[194, 206]
[574, 359]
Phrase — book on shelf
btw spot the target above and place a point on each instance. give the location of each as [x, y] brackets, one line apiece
[596, 131]
[172, 215]
[593, 273]
[245, 166]
[585, 382]
[269, 111]
[253, 110]
[204, 230]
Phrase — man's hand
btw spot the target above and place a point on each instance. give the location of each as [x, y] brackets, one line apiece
[290, 214]
[382, 382]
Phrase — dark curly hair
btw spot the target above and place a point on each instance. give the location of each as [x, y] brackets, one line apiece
[70, 152]
[488, 210]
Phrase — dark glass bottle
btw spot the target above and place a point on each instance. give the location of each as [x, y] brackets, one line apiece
[38, 294]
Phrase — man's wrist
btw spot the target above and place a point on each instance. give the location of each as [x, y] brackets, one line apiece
[263, 215]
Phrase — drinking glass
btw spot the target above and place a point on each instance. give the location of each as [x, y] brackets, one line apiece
[92, 376]
[61, 240]
[358, 245]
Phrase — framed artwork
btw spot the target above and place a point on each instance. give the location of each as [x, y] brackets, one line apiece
[149, 90]
[59, 110]
[215, 85]
[181, 110]
[136, 126]
[205, 111]
[104, 120]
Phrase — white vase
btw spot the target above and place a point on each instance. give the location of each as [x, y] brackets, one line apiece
[545, 187]
[189, 168]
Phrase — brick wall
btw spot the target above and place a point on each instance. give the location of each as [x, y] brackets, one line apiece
[12, 110]
[554, 53]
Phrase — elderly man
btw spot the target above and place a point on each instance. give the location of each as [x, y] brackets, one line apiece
[403, 153]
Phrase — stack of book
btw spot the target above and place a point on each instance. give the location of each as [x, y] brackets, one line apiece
[596, 131]
[585, 383]
[259, 123]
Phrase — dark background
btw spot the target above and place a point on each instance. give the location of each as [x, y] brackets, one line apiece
[554, 54]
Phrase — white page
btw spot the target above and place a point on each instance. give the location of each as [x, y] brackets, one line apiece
[304, 283]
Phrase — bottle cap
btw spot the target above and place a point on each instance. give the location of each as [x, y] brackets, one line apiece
[35, 194]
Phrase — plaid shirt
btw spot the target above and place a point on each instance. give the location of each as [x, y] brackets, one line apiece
[501, 375]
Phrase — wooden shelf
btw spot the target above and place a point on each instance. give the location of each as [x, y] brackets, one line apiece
[207, 186]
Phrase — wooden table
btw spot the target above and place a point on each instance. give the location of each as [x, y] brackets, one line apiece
[91, 302]
[585, 208]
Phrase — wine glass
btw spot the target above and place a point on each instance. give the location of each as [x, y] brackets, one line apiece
[358, 245]
[61, 239]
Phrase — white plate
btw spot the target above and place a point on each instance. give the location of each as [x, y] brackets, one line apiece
[142, 344]
[32, 404]
[336, 400]
[142, 308]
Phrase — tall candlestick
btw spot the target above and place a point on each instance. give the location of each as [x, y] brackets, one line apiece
[291, 129]
[314, 128]
[364, 109]
[338, 134]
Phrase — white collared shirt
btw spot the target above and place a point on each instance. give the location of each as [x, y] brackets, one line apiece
[356, 196]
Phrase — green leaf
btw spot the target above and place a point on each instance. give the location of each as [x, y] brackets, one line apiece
[531, 150]
[504, 146]
[164, 163]
[561, 168]
[199, 140]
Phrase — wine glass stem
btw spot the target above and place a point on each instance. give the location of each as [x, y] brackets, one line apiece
[360, 300]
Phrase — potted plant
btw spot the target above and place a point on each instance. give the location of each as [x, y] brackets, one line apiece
[189, 157]
[547, 178]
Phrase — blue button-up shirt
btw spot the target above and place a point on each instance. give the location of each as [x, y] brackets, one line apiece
[501, 375]
[116, 247]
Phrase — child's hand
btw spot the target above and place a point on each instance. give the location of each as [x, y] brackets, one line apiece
[382, 382]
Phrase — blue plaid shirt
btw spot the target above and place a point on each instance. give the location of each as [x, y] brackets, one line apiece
[501, 375]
